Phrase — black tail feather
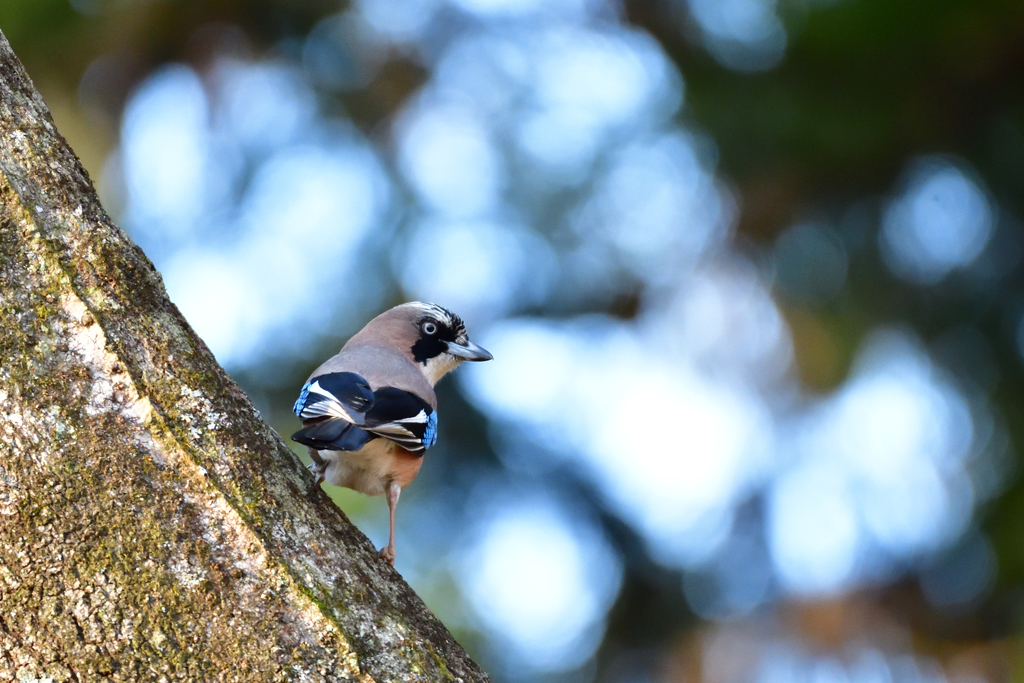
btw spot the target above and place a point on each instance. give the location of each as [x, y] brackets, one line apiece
[332, 435]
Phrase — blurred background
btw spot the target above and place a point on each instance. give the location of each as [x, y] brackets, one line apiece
[751, 271]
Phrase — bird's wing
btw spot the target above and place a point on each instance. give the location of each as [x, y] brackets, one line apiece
[340, 412]
[343, 395]
[332, 407]
[402, 417]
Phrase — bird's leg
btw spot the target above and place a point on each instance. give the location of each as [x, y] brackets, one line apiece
[388, 551]
[318, 467]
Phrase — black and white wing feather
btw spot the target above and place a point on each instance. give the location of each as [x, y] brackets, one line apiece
[340, 412]
[402, 417]
[343, 395]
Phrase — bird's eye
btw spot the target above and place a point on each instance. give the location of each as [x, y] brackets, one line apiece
[429, 328]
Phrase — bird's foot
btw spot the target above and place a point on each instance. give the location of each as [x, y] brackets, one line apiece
[387, 553]
[318, 470]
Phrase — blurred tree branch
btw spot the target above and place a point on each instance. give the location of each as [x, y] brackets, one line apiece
[153, 526]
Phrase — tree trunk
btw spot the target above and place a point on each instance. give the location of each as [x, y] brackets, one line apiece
[152, 526]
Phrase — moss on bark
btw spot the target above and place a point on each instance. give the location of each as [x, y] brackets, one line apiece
[152, 526]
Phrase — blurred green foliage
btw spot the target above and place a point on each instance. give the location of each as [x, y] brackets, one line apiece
[865, 86]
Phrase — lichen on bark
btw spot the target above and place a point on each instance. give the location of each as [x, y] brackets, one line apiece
[152, 526]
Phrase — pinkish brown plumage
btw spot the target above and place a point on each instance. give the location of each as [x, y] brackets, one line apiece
[370, 412]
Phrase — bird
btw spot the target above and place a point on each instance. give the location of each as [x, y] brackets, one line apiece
[369, 413]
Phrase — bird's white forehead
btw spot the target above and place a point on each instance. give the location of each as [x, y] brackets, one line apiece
[439, 313]
[431, 309]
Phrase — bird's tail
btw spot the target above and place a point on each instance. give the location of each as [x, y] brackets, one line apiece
[332, 435]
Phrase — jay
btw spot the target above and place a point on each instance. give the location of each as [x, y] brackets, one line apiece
[369, 413]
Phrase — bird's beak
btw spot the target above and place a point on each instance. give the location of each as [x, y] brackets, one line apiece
[469, 352]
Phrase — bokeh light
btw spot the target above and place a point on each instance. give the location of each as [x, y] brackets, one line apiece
[541, 580]
[940, 222]
[235, 257]
[735, 405]
[746, 35]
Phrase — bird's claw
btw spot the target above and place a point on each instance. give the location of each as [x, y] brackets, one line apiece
[387, 553]
[318, 470]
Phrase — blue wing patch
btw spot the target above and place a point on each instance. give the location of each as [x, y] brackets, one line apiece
[300, 403]
[430, 433]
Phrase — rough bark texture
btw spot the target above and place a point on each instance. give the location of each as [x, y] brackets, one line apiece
[152, 526]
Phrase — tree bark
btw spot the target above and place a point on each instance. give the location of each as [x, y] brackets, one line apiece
[152, 526]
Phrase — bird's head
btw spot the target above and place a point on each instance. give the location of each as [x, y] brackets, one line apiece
[433, 336]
